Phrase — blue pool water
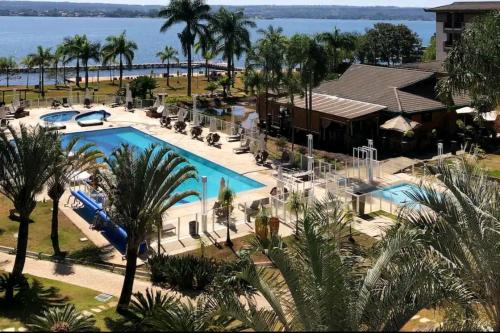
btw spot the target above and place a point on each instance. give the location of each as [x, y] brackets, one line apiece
[94, 115]
[58, 117]
[107, 140]
[398, 193]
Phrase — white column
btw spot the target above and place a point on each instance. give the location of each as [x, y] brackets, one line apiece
[310, 144]
[204, 204]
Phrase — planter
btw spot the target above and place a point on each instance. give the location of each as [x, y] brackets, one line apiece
[274, 225]
[261, 227]
[361, 210]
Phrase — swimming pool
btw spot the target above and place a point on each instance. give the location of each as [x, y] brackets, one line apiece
[398, 193]
[107, 140]
[94, 115]
[59, 117]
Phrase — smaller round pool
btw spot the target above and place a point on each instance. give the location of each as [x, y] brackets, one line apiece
[94, 115]
[57, 117]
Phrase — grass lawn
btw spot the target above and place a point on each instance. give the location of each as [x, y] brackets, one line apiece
[492, 163]
[44, 292]
[39, 235]
[178, 88]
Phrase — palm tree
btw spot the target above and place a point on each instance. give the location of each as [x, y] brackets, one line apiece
[321, 284]
[296, 205]
[336, 43]
[192, 13]
[119, 47]
[459, 228]
[89, 51]
[155, 311]
[206, 47]
[42, 57]
[141, 187]
[231, 34]
[62, 319]
[226, 198]
[7, 64]
[73, 46]
[70, 161]
[26, 158]
[62, 55]
[29, 63]
[168, 54]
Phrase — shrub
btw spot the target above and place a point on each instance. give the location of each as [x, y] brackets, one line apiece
[142, 86]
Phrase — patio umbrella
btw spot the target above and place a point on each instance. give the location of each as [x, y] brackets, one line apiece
[128, 95]
[262, 142]
[489, 116]
[400, 124]
[465, 110]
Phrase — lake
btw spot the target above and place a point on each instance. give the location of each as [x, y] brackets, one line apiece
[20, 36]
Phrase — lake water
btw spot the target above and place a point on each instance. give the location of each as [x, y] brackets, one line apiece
[20, 36]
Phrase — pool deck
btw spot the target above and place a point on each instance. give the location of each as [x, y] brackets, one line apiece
[243, 164]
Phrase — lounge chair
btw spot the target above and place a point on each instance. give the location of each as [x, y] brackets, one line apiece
[243, 148]
[117, 102]
[261, 157]
[213, 139]
[87, 103]
[253, 209]
[196, 132]
[155, 112]
[235, 137]
[55, 104]
[166, 122]
[180, 126]
[65, 103]
[285, 161]
[129, 107]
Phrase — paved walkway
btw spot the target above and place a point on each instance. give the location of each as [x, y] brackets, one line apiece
[87, 277]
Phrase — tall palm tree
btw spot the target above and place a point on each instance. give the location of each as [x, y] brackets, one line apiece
[7, 64]
[73, 46]
[62, 319]
[336, 43]
[62, 55]
[206, 47]
[192, 13]
[232, 36]
[141, 187]
[119, 47]
[70, 161]
[89, 51]
[459, 228]
[29, 63]
[226, 198]
[26, 159]
[168, 54]
[42, 58]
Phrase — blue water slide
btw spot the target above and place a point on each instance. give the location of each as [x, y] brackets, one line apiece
[115, 234]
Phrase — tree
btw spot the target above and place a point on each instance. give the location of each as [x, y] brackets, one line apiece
[336, 43]
[69, 162]
[42, 58]
[141, 187]
[62, 55]
[231, 30]
[473, 65]
[62, 319]
[29, 62]
[206, 47]
[321, 285]
[458, 231]
[430, 51]
[119, 47]
[89, 51]
[72, 48]
[168, 54]
[296, 205]
[142, 86]
[26, 159]
[212, 86]
[192, 13]
[7, 64]
[226, 198]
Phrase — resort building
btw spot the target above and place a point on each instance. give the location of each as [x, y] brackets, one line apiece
[347, 111]
[452, 19]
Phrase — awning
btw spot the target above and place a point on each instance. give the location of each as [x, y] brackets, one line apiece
[400, 124]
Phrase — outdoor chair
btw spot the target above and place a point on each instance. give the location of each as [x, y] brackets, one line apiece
[166, 122]
[285, 161]
[196, 132]
[213, 139]
[261, 157]
[129, 107]
[87, 103]
[180, 127]
[243, 148]
[235, 137]
[55, 104]
[65, 103]
[253, 209]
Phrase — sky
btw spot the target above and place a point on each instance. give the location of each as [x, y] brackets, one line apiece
[399, 3]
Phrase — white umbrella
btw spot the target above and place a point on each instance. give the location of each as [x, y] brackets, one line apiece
[465, 110]
[400, 124]
[128, 95]
[490, 116]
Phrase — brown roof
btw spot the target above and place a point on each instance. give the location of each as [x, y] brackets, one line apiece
[467, 6]
[382, 86]
[430, 66]
[338, 107]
